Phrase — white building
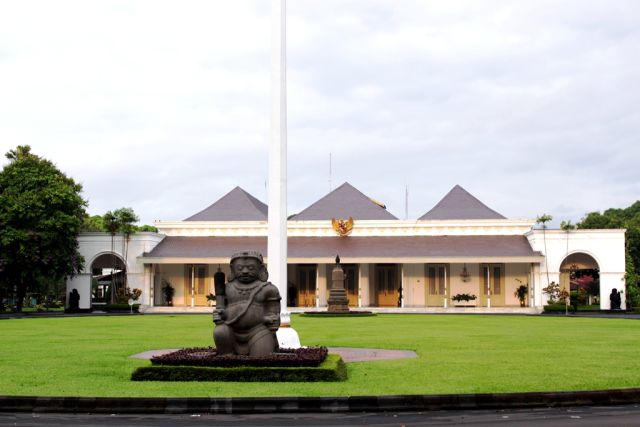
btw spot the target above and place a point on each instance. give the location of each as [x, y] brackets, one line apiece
[458, 247]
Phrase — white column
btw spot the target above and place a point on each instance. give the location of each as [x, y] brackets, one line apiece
[488, 286]
[193, 284]
[446, 290]
[402, 283]
[277, 188]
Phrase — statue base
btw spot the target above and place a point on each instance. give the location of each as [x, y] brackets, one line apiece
[286, 335]
[338, 308]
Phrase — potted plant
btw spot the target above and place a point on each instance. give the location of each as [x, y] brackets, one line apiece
[211, 298]
[168, 291]
[463, 297]
[521, 293]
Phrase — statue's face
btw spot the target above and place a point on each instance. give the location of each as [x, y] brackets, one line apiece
[246, 269]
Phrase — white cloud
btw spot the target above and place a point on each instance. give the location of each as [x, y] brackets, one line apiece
[164, 106]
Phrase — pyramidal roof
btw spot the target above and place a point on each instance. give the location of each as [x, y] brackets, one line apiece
[460, 204]
[344, 202]
[236, 205]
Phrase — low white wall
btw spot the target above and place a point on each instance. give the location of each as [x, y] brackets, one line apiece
[606, 247]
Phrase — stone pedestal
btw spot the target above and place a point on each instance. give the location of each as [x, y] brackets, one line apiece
[286, 335]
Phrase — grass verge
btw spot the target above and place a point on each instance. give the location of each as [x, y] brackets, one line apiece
[90, 356]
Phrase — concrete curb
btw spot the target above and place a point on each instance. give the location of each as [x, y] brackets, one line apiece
[240, 405]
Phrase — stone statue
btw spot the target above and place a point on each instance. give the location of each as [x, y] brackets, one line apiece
[616, 300]
[248, 315]
[74, 300]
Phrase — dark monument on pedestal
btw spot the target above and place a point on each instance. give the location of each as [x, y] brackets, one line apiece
[247, 313]
[338, 301]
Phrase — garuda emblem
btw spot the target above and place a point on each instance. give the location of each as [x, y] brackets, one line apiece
[342, 226]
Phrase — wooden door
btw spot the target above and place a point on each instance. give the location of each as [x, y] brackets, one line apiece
[197, 285]
[436, 288]
[351, 283]
[386, 285]
[492, 283]
[306, 286]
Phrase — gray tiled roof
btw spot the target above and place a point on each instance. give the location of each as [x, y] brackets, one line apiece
[402, 248]
[236, 205]
[344, 202]
[460, 204]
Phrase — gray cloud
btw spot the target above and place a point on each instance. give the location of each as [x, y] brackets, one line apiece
[532, 105]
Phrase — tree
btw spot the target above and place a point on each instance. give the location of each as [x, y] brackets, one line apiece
[567, 226]
[543, 219]
[41, 213]
[111, 225]
[93, 223]
[126, 219]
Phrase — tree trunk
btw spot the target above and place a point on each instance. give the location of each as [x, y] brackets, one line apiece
[113, 281]
[546, 259]
[21, 292]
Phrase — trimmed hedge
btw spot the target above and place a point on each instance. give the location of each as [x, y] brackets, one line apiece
[332, 369]
[556, 308]
[329, 314]
[121, 308]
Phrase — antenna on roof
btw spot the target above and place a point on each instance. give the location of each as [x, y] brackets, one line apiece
[330, 173]
[406, 202]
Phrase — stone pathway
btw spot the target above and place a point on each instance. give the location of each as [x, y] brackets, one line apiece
[348, 354]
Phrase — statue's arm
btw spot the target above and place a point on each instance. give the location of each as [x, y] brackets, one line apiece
[272, 307]
[219, 314]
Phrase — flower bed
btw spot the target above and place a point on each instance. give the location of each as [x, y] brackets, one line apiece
[208, 356]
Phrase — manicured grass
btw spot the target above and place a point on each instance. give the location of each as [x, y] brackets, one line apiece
[89, 356]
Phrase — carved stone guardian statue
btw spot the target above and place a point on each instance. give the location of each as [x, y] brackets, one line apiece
[247, 316]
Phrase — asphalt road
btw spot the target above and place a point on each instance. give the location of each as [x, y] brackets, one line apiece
[579, 416]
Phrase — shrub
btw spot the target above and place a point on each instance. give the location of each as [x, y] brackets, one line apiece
[463, 297]
[332, 369]
[121, 307]
[555, 308]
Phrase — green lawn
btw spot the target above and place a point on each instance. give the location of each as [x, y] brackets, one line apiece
[89, 356]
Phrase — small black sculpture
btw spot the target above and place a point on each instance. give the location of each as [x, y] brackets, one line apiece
[615, 299]
[247, 313]
[74, 300]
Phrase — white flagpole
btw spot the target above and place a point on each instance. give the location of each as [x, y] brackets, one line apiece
[277, 189]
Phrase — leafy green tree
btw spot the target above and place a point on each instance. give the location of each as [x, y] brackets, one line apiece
[93, 223]
[41, 213]
[112, 221]
[628, 218]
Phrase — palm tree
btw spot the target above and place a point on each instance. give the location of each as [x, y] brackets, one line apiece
[567, 226]
[112, 225]
[543, 219]
[126, 219]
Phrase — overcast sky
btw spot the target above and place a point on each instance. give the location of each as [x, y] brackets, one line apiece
[163, 106]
